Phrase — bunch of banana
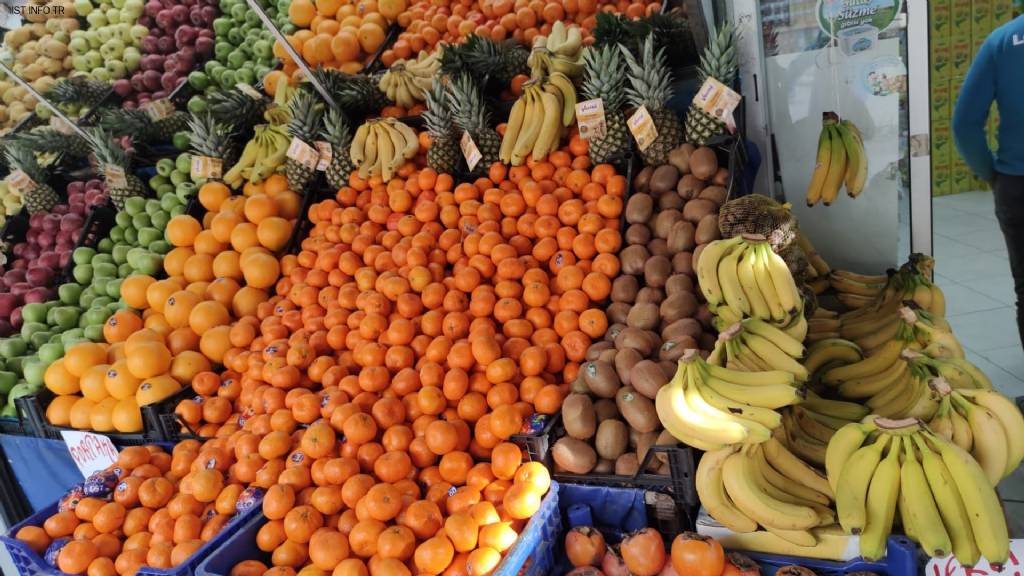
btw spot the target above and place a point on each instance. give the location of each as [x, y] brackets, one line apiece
[753, 345]
[823, 324]
[744, 273]
[828, 353]
[832, 413]
[932, 333]
[407, 81]
[909, 283]
[796, 327]
[708, 406]
[984, 423]
[841, 160]
[538, 119]
[559, 51]
[958, 372]
[856, 290]
[944, 497]
[765, 485]
[818, 264]
[380, 147]
[263, 155]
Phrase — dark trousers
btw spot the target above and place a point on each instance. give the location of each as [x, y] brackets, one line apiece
[1009, 201]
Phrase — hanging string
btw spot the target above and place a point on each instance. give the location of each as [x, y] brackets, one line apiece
[831, 55]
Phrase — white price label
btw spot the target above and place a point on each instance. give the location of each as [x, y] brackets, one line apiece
[206, 167]
[158, 109]
[303, 153]
[642, 126]
[115, 176]
[60, 125]
[91, 452]
[590, 118]
[949, 566]
[470, 151]
[326, 155]
[249, 91]
[19, 180]
[719, 101]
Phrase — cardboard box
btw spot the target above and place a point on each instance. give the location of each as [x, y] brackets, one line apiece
[960, 19]
[960, 55]
[981, 20]
[942, 145]
[940, 59]
[942, 181]
[1002, 12]
[942, 108]
[954, 93]
[940, 14]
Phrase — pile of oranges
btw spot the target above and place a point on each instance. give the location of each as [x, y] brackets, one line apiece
[428, 22]
[338, 33]
[161, 509]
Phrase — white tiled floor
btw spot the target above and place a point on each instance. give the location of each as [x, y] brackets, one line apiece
[973, 272]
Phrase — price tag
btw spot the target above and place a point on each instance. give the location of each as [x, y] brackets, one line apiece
[19, 180]
[326, 154]
[642, 126]
[60, 125]
[719, 101]
[470, 151]
[158, 109]
[303, 153]
[249, 91]
[949, 566]
[91, 452]
[590, 117]
[206, 167]
[115, 177]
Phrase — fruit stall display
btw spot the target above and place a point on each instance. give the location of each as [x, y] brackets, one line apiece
[405, 335]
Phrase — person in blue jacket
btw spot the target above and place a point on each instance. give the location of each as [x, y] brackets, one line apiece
[997, 74]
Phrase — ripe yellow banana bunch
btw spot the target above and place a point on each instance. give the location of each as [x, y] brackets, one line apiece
[765, 485]
[709, 406]
[744, 273]
[264, 154]
[559, 51]
[407, 81]
[538, 119]
[984, 423]
[841, 160]
[380, 147]
[822, 325]
[943, 495]
[911, 282]
[753, 345]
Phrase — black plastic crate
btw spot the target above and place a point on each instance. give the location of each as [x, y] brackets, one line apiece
[13, 504]
[303, 225]
[14, 230]
[26, 423]
[97, 226]
[159, 422]
[13, 427]
[537, 444]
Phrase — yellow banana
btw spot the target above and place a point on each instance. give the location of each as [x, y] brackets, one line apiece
[728, 276]
[951, 506]
[852, 488]
[785, 286]
[533, 121]
[1009, 416]
[711, 490]
[831, 350]
[869, 366]
[857, 167]
[568, 91]
[821, 167]
[707, 270]
[745, 274]
[551, 124]
[512, 129]
[990, 443]
[740, 485]
[883, 494]
[921, 509]
[841, 447]
[836, 168]
[783, 460]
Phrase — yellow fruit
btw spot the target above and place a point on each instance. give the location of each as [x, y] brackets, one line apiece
[83, 356]
[93, 383]
[120, 382]
[149, 359]
[126, 416]
[59, 380]
[156, 389]
[58, 412]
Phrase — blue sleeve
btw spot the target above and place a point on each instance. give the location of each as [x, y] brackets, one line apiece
[972, 110]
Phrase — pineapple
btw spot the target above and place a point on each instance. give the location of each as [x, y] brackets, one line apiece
[338, 133]
[78, 91]
[651, 86]
[212, 138]
[47, 140]
[470, 115]
[604, 77]
[488, 62]
[443, 155]
[167, 127]
[306, 113]
[40, 197]
[134, 123]
[356, 94]
[719, 61]
[110, 154]
[234, 108]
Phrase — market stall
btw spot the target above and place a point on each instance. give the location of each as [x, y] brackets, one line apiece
[487, 287]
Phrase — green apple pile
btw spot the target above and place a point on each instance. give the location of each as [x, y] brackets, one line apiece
[174, 177]
[244, 48]
[108, 49]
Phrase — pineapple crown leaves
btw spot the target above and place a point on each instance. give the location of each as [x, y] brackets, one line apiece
[671, 31]
[612, 29]
[469, 112]
[356, 94]
[649, 77]
[77, 90]
[210, 137]
[124, 122]
[236, 108]
[20, 157]
[307, 115]
[604, 76]
[485, 60]
[438, 115]
[106, 149]
[336, 128]
[720, 59]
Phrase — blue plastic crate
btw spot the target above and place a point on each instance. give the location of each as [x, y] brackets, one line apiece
[533, 554]
[901, 559]
[28, 563]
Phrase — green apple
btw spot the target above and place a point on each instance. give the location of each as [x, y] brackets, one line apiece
[120, 253]
[51, 352]
[40, 338]
[69, 293]
[7, 382]
[95, 333]
[30, 328]
[105, 270]
[34, 370]
[134, 205]
[12, 347]
[149, 235]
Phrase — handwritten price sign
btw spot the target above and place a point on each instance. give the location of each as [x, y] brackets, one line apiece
[91, 452]
[948, 566]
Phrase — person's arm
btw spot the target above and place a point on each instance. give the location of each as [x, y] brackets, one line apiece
[972, 110]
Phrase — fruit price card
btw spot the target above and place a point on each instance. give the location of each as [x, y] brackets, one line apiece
[719, 101]
[326, 155]
[19, 180]
[158, 109]
[470, 151]
[91, 452]
[206, 167]
[303, 153]
[590, 117]
[949, 566]
[249, 91]
[115, 176]
[642, 126]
